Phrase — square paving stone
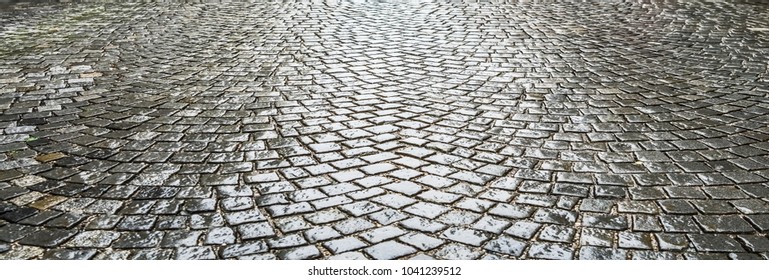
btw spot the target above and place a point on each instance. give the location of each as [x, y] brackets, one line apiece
[755, 243]
[242, 217]
[346, 176]
[365, 194]
[394, 200]
[715, 243]
[745, 256]
[650, 255]
[459, 218]
[342, 245]
[371, 181]
[513, 211]
[93, 239]
[138, 240]
[300, 253]
[723, 223]
[406, 188]
[265, 256]
[475, 205]
[349, 256]
[200, 205]
[382, 233]
[389, 250]
[219, 179]
[596, 205]
[760, 221]
[48, 237]
[751, 206]
[136, 223]
[286, 241]
[437, 182]
[195, 253]
[466, 236]
[325, 216]
[506, 245]
[523, 229]
[421, 241]
[69, 254]
[641, 207]
[438, 196]
[422, 224]
[22, 253]
[18, 214]
[714, 207]
[242, 249]
[291, 209]
[597, 237]
[679, 224]
[180, 238]
[676, 206]
[425, 209]
[600, 253]
[491, 224]
[610, 192]
[220, 236]
[555, 216]
[291, 224]
[206, 220]
[14, 232]
[353, 225]
[646, 223]
[455, 251]
[360, 208]
[256, 230]
[321, 233]
[706, 256]
[103, 222]
[388, 216]
[604, 221]
[556, 233]
[635, 240]
[550, 251]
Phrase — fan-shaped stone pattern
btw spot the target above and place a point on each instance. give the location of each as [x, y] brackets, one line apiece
[378, 130]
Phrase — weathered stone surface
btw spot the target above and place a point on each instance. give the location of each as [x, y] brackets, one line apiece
[384, 130]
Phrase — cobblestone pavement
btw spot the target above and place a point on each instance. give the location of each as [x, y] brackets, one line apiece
[385, 130]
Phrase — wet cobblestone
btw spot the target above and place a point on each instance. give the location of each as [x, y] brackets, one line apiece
[384, 130]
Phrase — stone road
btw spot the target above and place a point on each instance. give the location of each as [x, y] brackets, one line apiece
[385, 130]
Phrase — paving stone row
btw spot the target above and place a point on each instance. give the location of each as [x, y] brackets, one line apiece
[384, 130]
